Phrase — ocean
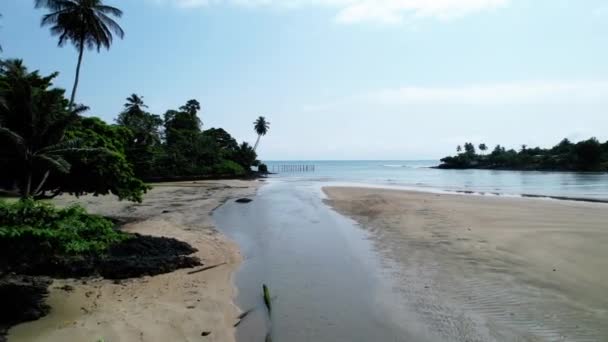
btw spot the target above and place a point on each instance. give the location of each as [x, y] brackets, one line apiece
[418, 175]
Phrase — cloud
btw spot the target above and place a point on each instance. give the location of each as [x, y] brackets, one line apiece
[356, 11]
[538, 92]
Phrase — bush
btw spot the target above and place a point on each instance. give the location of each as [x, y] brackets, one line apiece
[263, 168]
[34, 225]
[228, 167]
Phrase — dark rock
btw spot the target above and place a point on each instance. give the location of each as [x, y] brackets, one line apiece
[244, 200]
[22, 299]
[206, 333]
[135, 257]
[66, 288]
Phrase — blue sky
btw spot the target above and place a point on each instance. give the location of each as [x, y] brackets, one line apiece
[348, 79]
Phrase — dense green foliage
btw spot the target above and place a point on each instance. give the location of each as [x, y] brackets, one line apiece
[47, 149]
[587, 155]
[33, 121]
[55, 231]
[176, 146]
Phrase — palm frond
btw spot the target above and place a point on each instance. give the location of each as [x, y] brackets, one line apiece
[105, 9]
[112, 25]
[55, 5]
[57, 162]
[62, 146]
[13, 137]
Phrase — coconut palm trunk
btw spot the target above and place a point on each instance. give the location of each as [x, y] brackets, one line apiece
[257, 142]
[77, 77]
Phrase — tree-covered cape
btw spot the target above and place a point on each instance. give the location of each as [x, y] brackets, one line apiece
[586, 155]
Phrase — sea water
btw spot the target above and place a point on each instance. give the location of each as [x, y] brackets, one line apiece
[419, 175]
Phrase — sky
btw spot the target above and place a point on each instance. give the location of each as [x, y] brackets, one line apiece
[348, 79]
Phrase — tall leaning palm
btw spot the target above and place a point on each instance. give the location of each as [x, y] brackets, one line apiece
[84, 23]
[261, 127]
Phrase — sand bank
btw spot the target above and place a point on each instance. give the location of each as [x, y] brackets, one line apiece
[477, 268]
[171, 307]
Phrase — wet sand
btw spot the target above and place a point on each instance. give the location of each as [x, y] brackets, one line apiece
[483, 268]
[172, 307]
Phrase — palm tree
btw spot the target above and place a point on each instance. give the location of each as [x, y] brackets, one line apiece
[135, 103]
[84, 23]
[483, 147]
[261, 127]
[33, 121]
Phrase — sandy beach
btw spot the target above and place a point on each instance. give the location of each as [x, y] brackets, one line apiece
[484, 268]
[172, 307]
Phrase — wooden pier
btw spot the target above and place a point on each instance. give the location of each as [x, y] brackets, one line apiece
[292, 168]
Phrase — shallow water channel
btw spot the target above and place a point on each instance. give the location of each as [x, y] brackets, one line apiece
[324, 277]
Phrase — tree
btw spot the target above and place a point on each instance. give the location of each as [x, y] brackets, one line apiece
[469, 149]
[191, 107]
[483, 147]
[246, 156]
[145, 126]
[183, 124]
[144, 147]
[100, 173]
[261, 127]
[33, 122]
[588, 154]
[84, 23]
[459, 149]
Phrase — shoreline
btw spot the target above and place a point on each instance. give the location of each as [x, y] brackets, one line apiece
[487, 267]
[174, 306]
[431, 190]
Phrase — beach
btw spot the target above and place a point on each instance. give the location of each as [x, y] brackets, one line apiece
[489, 267]
[178, 306]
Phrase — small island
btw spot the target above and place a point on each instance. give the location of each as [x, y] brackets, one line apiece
[587, 155]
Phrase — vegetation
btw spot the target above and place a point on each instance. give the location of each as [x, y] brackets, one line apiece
[84, 23]
[39, 227]
[47, 149]
[261, 127]
[587, 155]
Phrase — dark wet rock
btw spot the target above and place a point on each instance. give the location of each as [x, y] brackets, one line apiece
[23, 300]
[132, 258]
[244, 200]
[66, 288]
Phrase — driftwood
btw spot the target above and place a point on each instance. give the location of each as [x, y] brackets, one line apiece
[267, 297]
[206, 268]
[242, 317]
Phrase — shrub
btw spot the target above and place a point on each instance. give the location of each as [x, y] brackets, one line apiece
[34, 225]
[263, 168]
[228, 167]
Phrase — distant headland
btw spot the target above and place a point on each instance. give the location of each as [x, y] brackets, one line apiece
[587, 155]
